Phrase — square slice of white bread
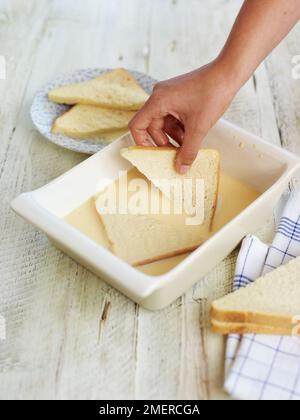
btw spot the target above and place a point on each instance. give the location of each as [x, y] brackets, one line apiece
[140, 239]
[273, 300]
[158, 163]
[116, 89]
[88, 121]
[226, 328]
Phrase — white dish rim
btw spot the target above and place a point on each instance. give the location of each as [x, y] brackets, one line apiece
[141, 285]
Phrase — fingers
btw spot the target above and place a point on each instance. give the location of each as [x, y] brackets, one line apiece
[152, 122]
[156, 132]
[174, 129]
[189, 150]
[149, 120]
[139, 126]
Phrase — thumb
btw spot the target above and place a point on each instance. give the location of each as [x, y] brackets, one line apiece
[189, 149]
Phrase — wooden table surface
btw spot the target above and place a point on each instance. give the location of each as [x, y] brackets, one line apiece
[61, 342]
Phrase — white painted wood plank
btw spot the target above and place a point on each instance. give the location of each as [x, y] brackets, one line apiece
[66, 356]
[286, 93]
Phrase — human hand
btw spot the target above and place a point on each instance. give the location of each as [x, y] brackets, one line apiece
[185, 108]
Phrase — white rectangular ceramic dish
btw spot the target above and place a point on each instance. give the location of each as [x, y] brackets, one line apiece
[265, 167]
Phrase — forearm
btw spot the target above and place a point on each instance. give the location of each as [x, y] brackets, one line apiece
[259, 28]
[187, 107]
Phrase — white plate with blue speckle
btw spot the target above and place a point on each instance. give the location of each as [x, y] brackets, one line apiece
[45, 112]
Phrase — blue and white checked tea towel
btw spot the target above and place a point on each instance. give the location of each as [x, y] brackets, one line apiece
[262, 367]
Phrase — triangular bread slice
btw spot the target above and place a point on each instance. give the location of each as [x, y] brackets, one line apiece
[158, 163]
[226, 328]
[273, 300]
[116, 89]
[87, 121]
[141, 239]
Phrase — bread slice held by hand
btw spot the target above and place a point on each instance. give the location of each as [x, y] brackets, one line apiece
[273, 301]
[143, 238]
[158, 163]
[88, 121]
[116, 89]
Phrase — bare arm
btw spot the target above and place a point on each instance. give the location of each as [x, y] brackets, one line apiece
[187, 106]
[259, 28]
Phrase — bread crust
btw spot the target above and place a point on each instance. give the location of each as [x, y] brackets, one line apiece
[226, 328]
[238, 317]
[54, 96]
[75, 101]
[166, 256]
[164, 148]
[91, 134]
[153, 148]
